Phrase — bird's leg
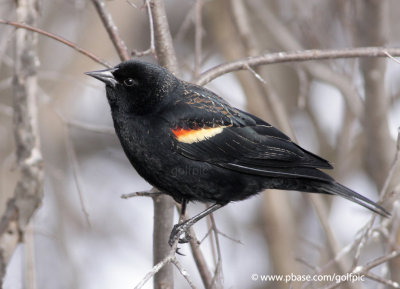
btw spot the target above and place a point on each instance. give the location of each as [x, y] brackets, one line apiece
[187, 237]
[183, 227]
[183, 208]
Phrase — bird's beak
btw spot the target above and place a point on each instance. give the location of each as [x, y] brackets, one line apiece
[104, 75]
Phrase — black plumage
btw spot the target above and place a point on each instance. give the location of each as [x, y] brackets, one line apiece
[191, 144]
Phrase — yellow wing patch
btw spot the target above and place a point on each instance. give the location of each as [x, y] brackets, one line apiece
[196, 135]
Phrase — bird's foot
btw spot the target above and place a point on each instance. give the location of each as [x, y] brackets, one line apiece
[177, 231]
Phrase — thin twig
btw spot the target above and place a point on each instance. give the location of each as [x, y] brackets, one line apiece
[282, 57]
[376, 278]
[75, 172]
[318, 70]
[152, 48]
[307, 264]
[211, 238]
[59, 39]
[112, 29]
[198, 255]
[222, 234]
[152, 193]
[132, 4]
[230, 238]
[185, 25]
[199, 259]
[392, 169]
[218, 265]
[363, 240]
[157, 268]
[377, 262]
[183, 272]
[197, 38]
[368, 227]
[321, 211]
[74, 165]
[169, 258]
[256, 75]
[392, 58]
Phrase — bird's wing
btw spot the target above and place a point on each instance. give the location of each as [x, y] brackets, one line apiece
[205, 128]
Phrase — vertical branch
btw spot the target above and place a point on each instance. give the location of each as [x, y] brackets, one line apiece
[200, 260]
[152, 48]
[280, 241]
[112, 29]
[197, 38]
[163, 205]
[29, 188]
[379, 147]
[163, 40]
[163, 217]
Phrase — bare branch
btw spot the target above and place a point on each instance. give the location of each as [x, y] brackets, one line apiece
[318, 70]
[59, 39]
[9, 235]
[186, 24]
[163, 40]
[250, 42]
[392, 169]
[198, 255]
[152, 48]
[378, 261]
[169, 258]
[217, 279]
[75, 172]
[163, 218]
[256, 75]
[283, 57]
[163, 205]
[199, 259]
[332, 244]
[28, 191]
[392, 58]
[376, 278]
[183, 272]
[152, 193]
[198, 37]
[378, 142]
[112, 30]
[156, 268]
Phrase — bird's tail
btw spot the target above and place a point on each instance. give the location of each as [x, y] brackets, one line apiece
[338, 189]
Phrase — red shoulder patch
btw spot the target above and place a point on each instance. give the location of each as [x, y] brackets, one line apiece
[196, 135]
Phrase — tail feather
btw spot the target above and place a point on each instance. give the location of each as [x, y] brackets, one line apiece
[338, 189]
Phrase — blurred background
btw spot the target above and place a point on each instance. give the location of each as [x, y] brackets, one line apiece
[84, 235]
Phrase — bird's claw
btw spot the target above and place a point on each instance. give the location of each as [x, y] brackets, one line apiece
[179, 253]
[186, 239]
[177, 231]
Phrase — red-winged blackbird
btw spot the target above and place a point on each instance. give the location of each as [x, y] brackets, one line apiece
[191, 144]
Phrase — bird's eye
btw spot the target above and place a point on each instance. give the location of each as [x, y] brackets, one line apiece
[129, 82]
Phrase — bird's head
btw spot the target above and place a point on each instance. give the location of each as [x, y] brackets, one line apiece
[136, 87]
